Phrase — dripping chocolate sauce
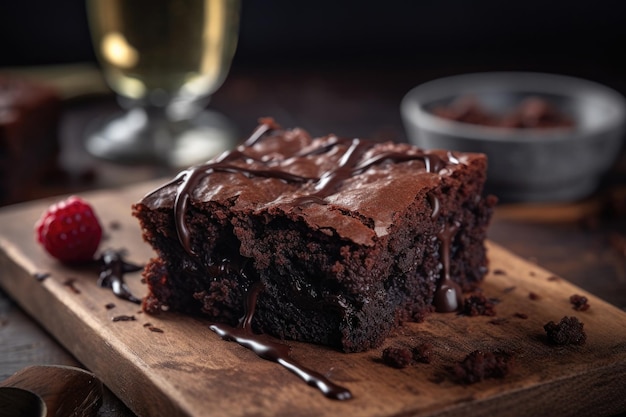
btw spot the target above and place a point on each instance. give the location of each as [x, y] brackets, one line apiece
[448, 295]
[350, 164]
[112, 272]
[274, 351]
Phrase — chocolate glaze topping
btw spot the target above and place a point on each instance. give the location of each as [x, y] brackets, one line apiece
[326, 184]
[274, 351]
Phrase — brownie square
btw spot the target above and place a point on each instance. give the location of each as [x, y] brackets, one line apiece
[348, 238]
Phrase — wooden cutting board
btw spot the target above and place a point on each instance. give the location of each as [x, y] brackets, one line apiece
[186, 370]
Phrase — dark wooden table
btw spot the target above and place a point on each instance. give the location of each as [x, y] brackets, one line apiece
[584, 242]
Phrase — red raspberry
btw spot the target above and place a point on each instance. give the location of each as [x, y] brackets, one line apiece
[69, 230]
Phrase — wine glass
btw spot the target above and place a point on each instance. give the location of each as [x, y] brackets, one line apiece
[163, 58]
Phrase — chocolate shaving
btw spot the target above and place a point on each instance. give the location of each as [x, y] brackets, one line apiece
[70, 283]
[123, 317]
[41, 276]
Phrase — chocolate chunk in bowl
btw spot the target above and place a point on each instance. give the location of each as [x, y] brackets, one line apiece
[529, 159]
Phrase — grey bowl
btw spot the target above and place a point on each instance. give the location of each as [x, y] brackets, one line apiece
[525, 164]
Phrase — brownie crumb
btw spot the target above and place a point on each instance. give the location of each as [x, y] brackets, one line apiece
[533, 296]
[521, 315]
[553, 278]
[123, 317]
[579, 302]
[147, 324]
[155, 329]
[109, 306]
[401, 357]
[478, 305]
[397, 357]
[499, 272]
[422, 353]
[40, 276]
[569, 331]
[480, 365]
[151, 305]
[71, 284]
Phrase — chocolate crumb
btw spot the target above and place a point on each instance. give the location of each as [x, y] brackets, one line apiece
[499, 272]
[579, 302]
[109, 306]
[553, 278]
[533, 296]
[70, 283]
[123, 317]
[155, 329]
[569, 331]
[478, 305]
[40, 276]
[480, 365]
[521, 315]
[147, 324]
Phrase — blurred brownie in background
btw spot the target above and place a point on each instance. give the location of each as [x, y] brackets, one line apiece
[29, 143]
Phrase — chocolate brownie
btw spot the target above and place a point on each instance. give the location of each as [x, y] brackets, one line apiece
[29, 145]
[347, 237]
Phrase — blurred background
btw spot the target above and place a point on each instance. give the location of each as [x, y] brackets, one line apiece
[379, 47]
[328, 66]
[580, 37]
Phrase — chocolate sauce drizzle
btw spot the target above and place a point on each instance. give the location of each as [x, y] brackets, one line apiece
[349, 164]
[275, 351]
[448, 295]
[112, 274]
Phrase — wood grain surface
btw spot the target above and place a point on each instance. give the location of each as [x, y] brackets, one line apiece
[186, 370]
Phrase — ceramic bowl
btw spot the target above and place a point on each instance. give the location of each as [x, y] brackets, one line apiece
[525, 164]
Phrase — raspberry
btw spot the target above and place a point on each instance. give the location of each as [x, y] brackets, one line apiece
[69, 230]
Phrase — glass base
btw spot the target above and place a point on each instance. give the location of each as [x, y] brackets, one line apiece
[147, 136]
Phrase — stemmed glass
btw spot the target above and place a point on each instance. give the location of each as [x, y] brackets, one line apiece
[163, 58]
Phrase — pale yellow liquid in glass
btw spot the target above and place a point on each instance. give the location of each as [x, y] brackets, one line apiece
[182, 48]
